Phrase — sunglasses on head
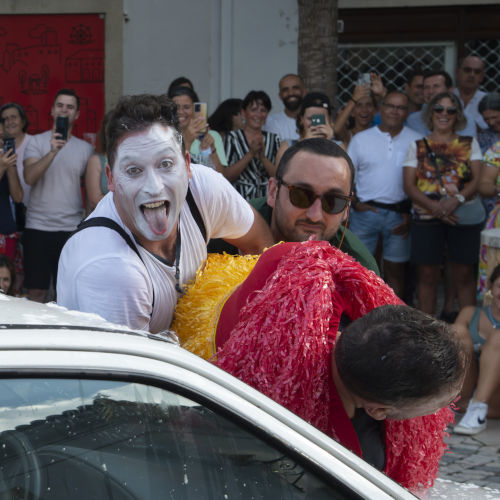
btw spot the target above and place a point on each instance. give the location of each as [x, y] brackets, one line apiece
[439, 109]
[301, 197]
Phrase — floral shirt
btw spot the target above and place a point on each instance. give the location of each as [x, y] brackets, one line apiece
[492, 157]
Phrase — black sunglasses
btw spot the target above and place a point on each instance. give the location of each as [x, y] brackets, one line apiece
[439, 109]
[300, 197]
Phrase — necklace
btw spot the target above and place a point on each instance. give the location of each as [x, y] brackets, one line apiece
[494, 322]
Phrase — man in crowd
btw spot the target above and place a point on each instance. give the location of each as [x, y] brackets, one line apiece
[53, 166]
[381, 209]
[292, 90]
[414, 89]
[470, 74]
[309, 198]
[147, 236]
[436, 82]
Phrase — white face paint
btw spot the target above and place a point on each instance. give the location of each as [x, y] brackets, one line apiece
[150, 180]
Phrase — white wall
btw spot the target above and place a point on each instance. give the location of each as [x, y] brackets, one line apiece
[226, 47]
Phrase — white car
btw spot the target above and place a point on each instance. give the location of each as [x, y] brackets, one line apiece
[91, 410]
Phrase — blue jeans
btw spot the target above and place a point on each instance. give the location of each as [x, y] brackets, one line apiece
[369, 226]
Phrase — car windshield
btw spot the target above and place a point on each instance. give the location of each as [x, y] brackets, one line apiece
[70, 438]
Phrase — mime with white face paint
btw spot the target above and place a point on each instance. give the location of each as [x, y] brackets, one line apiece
[166, 208]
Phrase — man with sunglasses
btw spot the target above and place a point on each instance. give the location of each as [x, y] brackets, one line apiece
[310, 199]
[470, 74]
[436, 82]
[381, 209]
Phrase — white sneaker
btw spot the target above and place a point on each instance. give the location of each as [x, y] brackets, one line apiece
[474, 420]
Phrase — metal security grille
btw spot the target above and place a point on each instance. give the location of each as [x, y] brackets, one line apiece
[391, 61]
[489, 52]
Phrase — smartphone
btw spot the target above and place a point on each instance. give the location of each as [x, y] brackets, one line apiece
[317, 120]
[364, 79]
[200, 110]
[9, 143]
[62, 127]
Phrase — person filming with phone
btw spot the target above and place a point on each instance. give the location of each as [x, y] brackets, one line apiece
[205, 146]
[313, 121]
[54, 162]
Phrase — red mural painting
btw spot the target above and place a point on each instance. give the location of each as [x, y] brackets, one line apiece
[40, 54]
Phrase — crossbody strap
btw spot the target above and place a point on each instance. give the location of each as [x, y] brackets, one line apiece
[111, 224]
[432, 157]
[195, 212]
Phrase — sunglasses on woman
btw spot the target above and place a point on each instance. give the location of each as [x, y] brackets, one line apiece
[439, 109]
[301, 197]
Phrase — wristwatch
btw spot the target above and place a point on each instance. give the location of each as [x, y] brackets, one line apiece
[460, 197]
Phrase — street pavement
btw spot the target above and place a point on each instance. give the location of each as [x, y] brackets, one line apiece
[474, 459]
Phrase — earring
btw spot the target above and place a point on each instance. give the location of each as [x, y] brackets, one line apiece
[487, 298]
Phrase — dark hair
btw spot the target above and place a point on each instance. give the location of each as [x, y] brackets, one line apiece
[257, 96]
[460, 122]
[177, 91]
[136, 113]
[101, 134]
[489, 101]
[495, 274]
[397, 354]
[409, 77]
[439, 72]
[71, 93]
[221, 120]
[5, 261]
[20, 110]
[312, 100]
[178, 82]
[319, 146]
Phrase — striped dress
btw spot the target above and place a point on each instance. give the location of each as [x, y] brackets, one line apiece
[252, 182]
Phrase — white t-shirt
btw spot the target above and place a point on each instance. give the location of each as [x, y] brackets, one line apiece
[282, 125]
[378, 163]
[472, 105]
[55, 202]
[98, 272]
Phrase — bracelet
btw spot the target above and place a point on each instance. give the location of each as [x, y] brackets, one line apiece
[353, 100]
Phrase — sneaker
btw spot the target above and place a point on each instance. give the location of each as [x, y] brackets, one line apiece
[474, 420]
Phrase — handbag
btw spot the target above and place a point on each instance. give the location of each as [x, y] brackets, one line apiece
[469, 213]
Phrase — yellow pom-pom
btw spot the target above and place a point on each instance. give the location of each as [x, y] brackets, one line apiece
[197, 312]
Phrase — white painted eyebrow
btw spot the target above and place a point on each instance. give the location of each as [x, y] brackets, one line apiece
[133, 157]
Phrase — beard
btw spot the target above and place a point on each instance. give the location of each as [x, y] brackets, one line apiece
[292, 103]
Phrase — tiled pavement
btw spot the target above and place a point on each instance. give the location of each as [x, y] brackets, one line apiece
[474, 459]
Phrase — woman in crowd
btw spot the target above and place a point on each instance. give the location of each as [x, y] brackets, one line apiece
[441, 173]
[251, 151]
[15, 124]
[478, 329]
[7, 275]
[317, 105]
[205, 146]
[96, 182]
[228, 116]
[10, 189]
[357, 115]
